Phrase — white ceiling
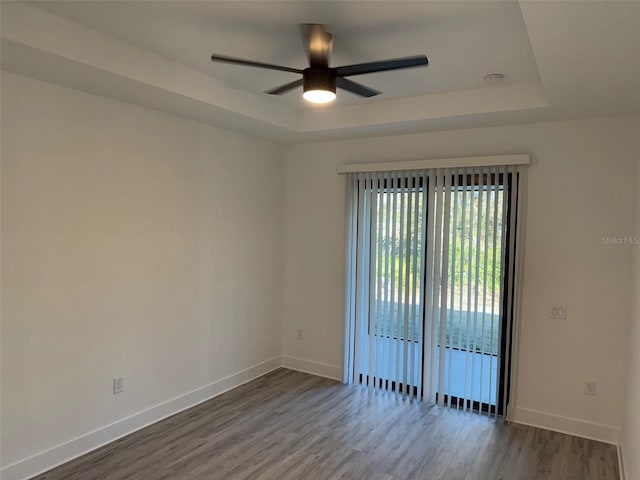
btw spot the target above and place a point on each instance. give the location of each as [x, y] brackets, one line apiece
[561, 60]
[463, 40]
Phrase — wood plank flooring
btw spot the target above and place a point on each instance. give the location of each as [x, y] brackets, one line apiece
[290, 425]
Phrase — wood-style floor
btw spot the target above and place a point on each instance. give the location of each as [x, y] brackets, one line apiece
[290, 425]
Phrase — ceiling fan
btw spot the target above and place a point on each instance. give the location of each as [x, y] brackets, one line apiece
[319, 80]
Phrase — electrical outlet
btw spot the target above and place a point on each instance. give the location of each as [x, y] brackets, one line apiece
[118, 385]
[590, 388]
[559, 312]
[300, 334]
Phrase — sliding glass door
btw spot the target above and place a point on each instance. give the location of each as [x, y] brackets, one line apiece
[431, 284]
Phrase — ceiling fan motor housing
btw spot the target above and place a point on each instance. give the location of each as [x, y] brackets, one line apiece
[319, 79]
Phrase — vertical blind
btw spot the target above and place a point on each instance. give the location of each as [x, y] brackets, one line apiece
[431, 283]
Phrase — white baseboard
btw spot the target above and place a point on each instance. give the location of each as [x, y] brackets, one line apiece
[48, 459]
[78, 446]
[570, 426]
[315, 368]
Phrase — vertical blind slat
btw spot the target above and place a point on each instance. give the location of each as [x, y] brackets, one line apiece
[521, 198]
[424, 181]
[501, 287]
[474, 348]
[493, 380]
[393, 312]
[380, 325]
[406, 274]
[510, 275]
[454, 236]
[435, 284]
[483, 349]
[359, 281]
[463, 234]
[379, 267]
[446, 193]
[371, 273]
[429, 334]
[387, 296]
[414, 291]
[399, 318]
[347, 374]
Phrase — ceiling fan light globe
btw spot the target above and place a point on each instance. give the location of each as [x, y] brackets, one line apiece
[319, 96]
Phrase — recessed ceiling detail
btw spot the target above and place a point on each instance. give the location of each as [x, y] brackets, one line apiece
[158, 55]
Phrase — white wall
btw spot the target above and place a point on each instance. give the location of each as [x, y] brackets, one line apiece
[580, 190]
[135, 244]
[151, 247]
[631, 423]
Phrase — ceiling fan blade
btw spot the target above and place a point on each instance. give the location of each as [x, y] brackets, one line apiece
[317, 43]
[382, 65]
[251, 63]
[356, 88]
[285, 88]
